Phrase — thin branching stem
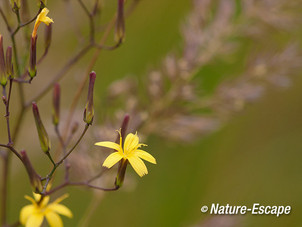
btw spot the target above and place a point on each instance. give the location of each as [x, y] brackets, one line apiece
[12, 149]
[63, 145]
[56, 165]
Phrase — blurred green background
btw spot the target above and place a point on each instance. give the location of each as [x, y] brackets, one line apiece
[255, 158]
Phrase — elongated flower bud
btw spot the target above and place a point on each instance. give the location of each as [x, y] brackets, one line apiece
[33, 57]
[89, 109]
[120, 22]
[34, 178]
[3, 78]
[56, 104]
[15, 4]
[123, 163]
[42, 3]
[9, 62]
[43, 136]
[124, 127]
[48, 34]
[119, 180]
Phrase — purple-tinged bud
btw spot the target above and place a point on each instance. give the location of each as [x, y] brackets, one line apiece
[89, 109]
[120, 22]
[33, 57]
[15, 4]
[43, 136]
[3, 78]
[48, 34]
[9, 62]
[124, 127]
[56, 104]
[42, 3]
[119, 180]
[123, 163]
[34, 178]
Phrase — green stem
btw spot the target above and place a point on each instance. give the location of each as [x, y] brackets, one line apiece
[56, 165]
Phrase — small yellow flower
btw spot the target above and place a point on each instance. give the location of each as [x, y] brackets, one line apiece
[130, 152]
[33, 215]
[42, 17]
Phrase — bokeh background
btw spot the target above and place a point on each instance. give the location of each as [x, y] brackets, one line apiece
[254, 156]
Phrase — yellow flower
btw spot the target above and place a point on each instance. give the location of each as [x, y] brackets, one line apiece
[42, 17]
[130, 152]
[33, 215]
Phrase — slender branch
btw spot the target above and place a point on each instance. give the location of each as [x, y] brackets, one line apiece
[7, 112]
[56, 165]
[91, 20]
[12, 149]
[104, 47]
[85, 184]
[66, 164]
[5, 20]
[26, 23]
[98, 175]
[76, 144]
[50, 158]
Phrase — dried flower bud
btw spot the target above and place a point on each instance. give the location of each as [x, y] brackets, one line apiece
[9, 62]
[43, 136]
[56, 104]
[120, 22]
[33, 57]
[34, 178]
[3, 78]
[89, 110]
[15, 4]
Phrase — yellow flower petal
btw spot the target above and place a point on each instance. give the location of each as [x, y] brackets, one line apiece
[30, 199]
[138, 165]
[54, 219]
[60, 209]
[146, 156]
[131, 143]
[42, 17]
[35, 220]
[112, 159]
[37, 196]
[60, 199]
[25, 213]
[108, 144]
[44, 201]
